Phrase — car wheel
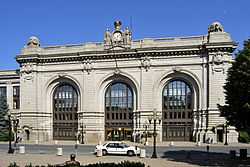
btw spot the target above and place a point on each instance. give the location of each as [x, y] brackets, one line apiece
[104, 152]
[130, 153]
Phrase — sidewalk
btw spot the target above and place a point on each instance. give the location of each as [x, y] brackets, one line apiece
[176, 144]
[25, 159]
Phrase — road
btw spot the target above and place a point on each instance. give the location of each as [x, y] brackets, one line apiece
[89, 149]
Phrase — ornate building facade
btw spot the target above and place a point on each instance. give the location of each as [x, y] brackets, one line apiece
[107, 91]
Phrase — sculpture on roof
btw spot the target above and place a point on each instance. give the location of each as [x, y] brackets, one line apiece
[107, 37]
[215, 27]
[128, 36]
[33, 42]
[118, 38]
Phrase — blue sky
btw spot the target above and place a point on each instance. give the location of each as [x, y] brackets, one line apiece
[59, 22]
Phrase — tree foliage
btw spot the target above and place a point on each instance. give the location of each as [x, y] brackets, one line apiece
[3, 111]
[237, 91]
[3, 122]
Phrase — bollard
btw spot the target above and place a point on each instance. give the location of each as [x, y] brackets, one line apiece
[21, 149]
[142, 153]
[208, 148]
[99, 152]
[243, 154]
[59, 152]
[232, 154]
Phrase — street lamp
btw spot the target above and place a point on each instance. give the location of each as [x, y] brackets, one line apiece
[146, 133]
[82, 132]
[226, 125]
[155, 118]
[15, 126]
[8, 118]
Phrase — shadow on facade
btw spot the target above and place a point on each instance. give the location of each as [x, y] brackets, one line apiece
[203, 158]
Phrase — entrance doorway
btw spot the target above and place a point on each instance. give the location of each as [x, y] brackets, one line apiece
[119, 134]
[220, 135]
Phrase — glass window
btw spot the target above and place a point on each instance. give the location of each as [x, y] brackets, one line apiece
[16, 97]
[179, 95]
[119, 97]
[65, 99]
[3, 91]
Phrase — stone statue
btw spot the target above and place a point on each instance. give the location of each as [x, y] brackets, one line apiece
[117, 25]
[33, 42]
[128, 38]
[107, 37]
[215, 27]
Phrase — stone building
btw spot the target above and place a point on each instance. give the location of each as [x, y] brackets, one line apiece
[109, 90]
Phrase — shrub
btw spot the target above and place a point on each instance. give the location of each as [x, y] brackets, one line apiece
[4, 136]
[13, 165]
[244, 137]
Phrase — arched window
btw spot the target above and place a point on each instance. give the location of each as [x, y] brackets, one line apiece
[119, 97]
[65, 102]
[177, 95]
[119, 112]
[177, 111]
[65, 98]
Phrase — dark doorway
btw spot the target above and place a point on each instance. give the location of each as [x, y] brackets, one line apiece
[220, 135]
[27, 132]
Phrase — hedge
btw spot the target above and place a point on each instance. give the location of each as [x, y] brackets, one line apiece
[121, 164]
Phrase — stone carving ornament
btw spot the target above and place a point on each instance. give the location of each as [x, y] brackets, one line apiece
[146, 63]
[218, 62]
[27, 68]
[33, 42]
[88, 66]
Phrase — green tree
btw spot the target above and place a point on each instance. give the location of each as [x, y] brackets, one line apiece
[237, 91]
[3, 122]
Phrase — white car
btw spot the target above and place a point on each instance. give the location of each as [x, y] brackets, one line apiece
[116, 147]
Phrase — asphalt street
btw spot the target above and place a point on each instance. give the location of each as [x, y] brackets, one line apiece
[89, 149]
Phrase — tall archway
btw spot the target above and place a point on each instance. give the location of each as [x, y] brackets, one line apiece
[65, 107]
[119, 106]
[177, 108]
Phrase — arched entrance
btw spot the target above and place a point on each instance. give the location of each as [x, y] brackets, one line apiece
[119, 111]
[65, 107]
[177, 110]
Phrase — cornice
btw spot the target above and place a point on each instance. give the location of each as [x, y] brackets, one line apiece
[39, 57]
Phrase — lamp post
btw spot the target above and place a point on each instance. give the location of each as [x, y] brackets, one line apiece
[82, 132]
[154, 118]
[15, 126]
[226, 124]
[146, 133]
[8, 118]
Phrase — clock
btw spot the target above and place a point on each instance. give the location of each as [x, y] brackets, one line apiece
[117, 36]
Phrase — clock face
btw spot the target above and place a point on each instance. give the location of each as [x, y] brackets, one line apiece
[117, 36]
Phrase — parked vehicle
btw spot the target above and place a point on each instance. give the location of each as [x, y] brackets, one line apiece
[119, 148]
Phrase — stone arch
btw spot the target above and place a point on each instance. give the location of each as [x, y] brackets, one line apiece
[50, 87]
[191, 79]
[105, 83]
[185, 75]
[109, 79]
